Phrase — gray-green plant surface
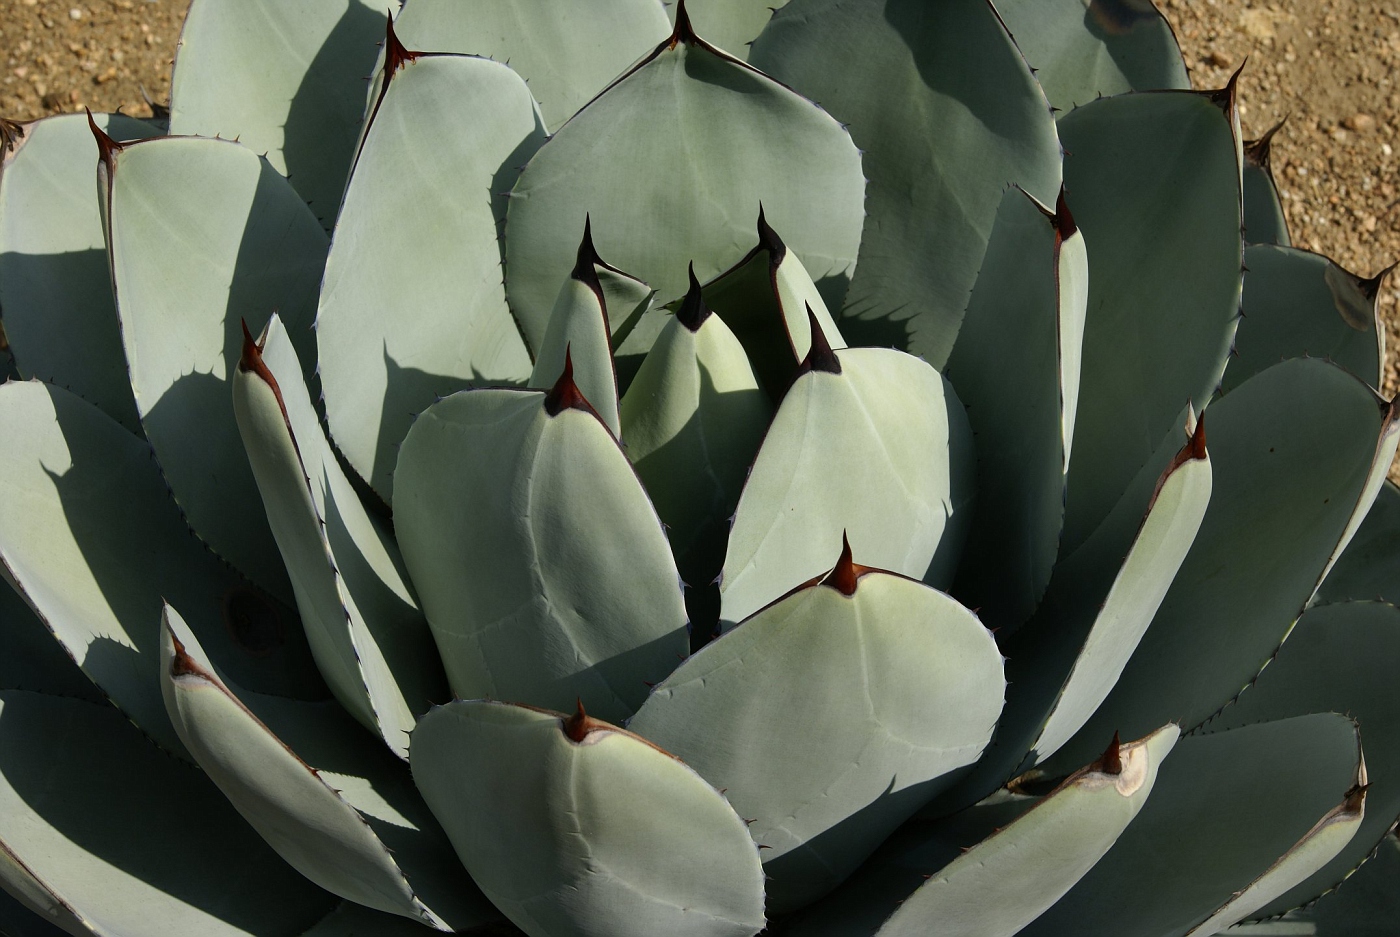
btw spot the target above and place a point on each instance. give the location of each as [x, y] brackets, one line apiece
[629, 469]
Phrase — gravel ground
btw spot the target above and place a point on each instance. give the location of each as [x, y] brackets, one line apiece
[1332, 67]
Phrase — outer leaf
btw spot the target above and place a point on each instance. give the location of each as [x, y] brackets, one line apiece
[1365, 905]
[101, 820]
[525, 529]
[1025, 318]
[1264, 220]
[831, 716]
[1337, 659]
[1298, 454]
[1366, 570]
[55, 288]
[1084, 50]
[361, 617]
[286, 78]
[415, 255]
[1155, 180]
[1299, 303]
[1224, 808]
[1101, 601]
[967, 119]
[670, 162]
[879, 449]
[359, 829]
[243, 243]
[977, 875]
[89, 535]
[575, 827]
[567, 52]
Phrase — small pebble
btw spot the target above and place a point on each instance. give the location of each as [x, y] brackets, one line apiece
[1361, 123]
[75, 14]
[1219, 59]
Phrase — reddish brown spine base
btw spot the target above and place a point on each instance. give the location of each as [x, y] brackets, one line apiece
[1111, 761]
[107, 148]
[684, 31]
[251, 359]
[565, 395]
[845, 576]
[820, 357]
[693, 311]
[182, 665]
[769, 240]
[577, 726]
[1257, 152]
[1062, 219]
[396, 54]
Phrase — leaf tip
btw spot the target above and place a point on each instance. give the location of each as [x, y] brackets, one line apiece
[820, 357]
[693, 311]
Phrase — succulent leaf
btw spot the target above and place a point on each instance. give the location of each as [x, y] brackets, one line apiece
[1224, 809]
[1025, 318]
[1264, 220]
[524, 529]
[1299, 303]
[1156, 189]
[101, 823]
[361, 616]
[967, 119]
[566, 51]
[981, 873]
[55, 285]
[832, 715]
[1085, 50]
[415, 257]
[343, 814]
[89, 536]
[878, 450]
[671, 162]
[1365, 905]
[1298, 453]
[575, 827]
[285, 78]
[247, 244]
[1337, 659]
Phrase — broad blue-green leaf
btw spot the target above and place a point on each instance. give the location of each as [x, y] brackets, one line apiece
[1338, 659]
[832, 715]
[1025, 318]
[1085, 49]
[567, 51]
[286, 78]
[982, 873]
[338, 808]
[1298, 453]
[575, 827]
[90, 537]
[870, 442]
[118, 835]
[1154, 181]
[1300, 303]
[361, 616]
[412, 307]
[692, 421]
[1224, 809]
[55, 285]
[947, 114]
[1103, 596]
[201, 234]
[1367, 568]
[1264, 220]
[672, 162]
[542, 567]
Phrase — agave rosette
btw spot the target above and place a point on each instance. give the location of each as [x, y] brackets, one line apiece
[594, 481]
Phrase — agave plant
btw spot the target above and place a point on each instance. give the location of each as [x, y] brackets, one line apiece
[612, 476]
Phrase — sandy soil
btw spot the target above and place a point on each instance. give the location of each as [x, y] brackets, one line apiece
[1332, 67]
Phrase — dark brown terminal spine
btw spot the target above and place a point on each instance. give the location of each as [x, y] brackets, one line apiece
[693, 311]
[845, 575]
[565, 395]
[107, 148]
[820, 357]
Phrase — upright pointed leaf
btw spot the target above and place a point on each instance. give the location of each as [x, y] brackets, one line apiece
[415, 257]
[870, 442]
[567, 51]
[1155, 184]
[831, 716]
[361, 616]
[129, 840]
[574, 826]
[242, 244]
[342, 812]
[1025, 317]
[1365, 905]
[526, 530]
[286, 78]
[978, 875]
[90, 537]
[1084, 50]
[671, 162]
[1264, 220]
[55, 285]
[968, 119]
